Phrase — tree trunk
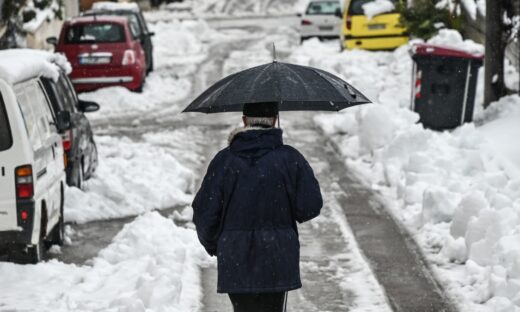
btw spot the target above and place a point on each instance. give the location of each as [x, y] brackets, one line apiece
[495, 49]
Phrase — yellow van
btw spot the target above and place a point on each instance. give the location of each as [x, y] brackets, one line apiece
[381, 32]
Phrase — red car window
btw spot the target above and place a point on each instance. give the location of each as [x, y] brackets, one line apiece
[95, 33]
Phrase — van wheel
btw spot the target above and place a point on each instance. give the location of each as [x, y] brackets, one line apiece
[26, 254]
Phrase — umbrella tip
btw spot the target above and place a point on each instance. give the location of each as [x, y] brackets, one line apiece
[274, 53]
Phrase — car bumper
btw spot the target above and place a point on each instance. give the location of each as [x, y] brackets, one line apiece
[375, 43]
[23, 235]
[88, 79]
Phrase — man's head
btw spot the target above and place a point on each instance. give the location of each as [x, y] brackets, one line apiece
[260, 114]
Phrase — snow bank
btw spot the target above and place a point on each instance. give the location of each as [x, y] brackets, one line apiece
[377, 7]
[452, 38]
[21, 64]
[131, 178]
[47, 14]
[457, 192]
[151, 265]
[114, 6]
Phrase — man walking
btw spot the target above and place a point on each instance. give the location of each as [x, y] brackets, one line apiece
[254, 192]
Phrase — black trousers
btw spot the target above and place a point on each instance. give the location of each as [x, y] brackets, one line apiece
[268, 302]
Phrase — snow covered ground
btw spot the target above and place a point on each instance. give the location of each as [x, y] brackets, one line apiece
[458, 192]
[151, 265]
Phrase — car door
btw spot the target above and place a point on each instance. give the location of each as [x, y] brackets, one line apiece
[47, 147]
[147, 41]
[9, 160]
[84, 133]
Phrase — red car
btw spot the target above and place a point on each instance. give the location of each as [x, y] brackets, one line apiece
[104, 51]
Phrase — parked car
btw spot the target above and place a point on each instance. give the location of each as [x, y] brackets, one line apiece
[78, 141]
[103, 51]
[32, 175]
[381, 32]
[137, 22]
[321, 19]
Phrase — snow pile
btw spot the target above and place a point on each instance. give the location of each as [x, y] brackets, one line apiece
[160, 91]
[458, 192]
[377, 7]
[151, 265]
[46, 14]
[452, 38]
[115, 6]
[131, 178]
[21, 64]
[178, 42]
[213, 8]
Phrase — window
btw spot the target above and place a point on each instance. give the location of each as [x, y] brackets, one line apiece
[135, 28]
[95, 33]
[322, 8]
[36, 113]
[66, 94]
[356, 6]
[6, 139]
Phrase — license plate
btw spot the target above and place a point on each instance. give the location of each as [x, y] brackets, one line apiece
[326, 28]
[376, 26]
[94, 60]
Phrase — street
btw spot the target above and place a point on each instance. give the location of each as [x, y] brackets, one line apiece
[384, 240]
[336, 275]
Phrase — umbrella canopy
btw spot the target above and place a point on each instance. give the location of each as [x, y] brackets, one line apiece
[293, 87]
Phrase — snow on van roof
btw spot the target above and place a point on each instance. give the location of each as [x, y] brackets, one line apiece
[17, 65]
[115, 6]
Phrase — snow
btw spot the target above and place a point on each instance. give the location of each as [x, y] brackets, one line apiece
[114, 6]
[17, 65]
[452, 38]
[130, 180]
[471, 8]
[457, 192]
[377, 7]
[46, 14]
[151, 265]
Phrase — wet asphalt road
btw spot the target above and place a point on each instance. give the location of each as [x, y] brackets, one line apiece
[326, 253]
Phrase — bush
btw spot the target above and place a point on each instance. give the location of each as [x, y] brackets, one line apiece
[424, 19]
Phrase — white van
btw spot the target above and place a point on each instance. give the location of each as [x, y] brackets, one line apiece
[32, 176]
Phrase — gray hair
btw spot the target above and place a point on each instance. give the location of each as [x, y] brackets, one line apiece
[261, 121]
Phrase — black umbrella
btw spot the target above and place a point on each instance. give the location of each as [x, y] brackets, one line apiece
[293, 87]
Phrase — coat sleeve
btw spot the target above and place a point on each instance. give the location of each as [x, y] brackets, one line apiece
[308, 199]
[208, 206]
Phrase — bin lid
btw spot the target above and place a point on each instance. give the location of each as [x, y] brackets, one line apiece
[437, 50]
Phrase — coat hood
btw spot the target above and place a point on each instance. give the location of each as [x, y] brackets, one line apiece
[254, 142]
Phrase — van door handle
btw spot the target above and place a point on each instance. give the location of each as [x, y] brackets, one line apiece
[53, 153]
[41, 173]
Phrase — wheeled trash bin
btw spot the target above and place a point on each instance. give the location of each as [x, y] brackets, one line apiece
[444, 84]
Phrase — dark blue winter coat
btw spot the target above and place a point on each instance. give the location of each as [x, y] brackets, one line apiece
[246, 211]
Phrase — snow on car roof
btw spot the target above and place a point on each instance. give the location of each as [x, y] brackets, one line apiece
[115, 6]
[97, 18]
[17, 65]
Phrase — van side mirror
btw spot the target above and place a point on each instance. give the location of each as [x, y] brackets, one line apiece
[52, 40]
[338, 13]
[63, 121]
[88, 106]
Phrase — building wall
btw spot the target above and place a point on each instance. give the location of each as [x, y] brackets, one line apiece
[37, 40]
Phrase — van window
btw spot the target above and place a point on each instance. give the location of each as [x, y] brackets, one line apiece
[95, 33]
[6, 139]
[36, 113]
[356, 6]
[322, 8]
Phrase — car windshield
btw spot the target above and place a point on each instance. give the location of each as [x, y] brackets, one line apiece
[322, 8]
[5, 132]
[95, 33]
[356, 6]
